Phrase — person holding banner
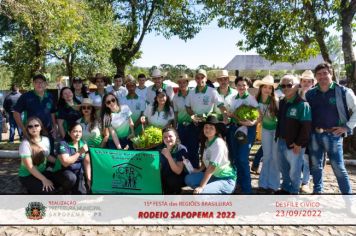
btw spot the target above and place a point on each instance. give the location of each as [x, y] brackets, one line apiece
[117, 123]
[34, 153]
[160, 114]
[219, 175]
[73, 160]
[172, 168]
[67, 110]
[91, 126]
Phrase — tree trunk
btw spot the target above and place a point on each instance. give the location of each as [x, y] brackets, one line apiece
[347, 14]
[120, 69]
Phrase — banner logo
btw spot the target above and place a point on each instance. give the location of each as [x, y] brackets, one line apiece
[35, 211]
[126, 176]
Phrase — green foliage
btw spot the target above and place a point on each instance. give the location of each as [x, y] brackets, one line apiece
[152, 136]
[279, 30]
[245, 112]
[173, 17]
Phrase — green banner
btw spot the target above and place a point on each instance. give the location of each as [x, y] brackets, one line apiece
[122, 171]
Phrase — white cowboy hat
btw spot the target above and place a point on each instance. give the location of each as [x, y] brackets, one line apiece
[224, 74]
[156, 73]
[267, 80]
[87, 101]
[308, 74]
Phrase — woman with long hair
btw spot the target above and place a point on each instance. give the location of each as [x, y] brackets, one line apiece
[160, 114]
[35, 153]
[219, 175]
[79, 90]
[172, 156]
[269, 180]
[91, 126]
[118, 126]
[74, 161]
[67, 110]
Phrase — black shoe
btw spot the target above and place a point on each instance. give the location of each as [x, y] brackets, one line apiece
[281, 192]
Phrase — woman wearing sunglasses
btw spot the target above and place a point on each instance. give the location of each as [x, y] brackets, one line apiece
[34, 153]
[73, 161]
[118, 126]
[67, 110]
[91, 126]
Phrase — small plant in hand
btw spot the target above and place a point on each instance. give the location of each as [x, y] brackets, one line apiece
[245, 112]
[150, 138]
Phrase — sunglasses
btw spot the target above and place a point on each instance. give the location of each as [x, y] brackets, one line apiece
[110, 101]
[31, 126]
[86, 107]
[283, 86]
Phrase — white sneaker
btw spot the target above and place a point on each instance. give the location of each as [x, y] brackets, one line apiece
[304, 188]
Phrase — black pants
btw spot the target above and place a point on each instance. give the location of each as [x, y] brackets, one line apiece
[72, 182]
[35, 186]
[172, 183]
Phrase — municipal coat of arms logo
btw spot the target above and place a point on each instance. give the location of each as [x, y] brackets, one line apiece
[35, 211]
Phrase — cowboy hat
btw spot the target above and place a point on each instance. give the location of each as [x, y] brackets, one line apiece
[307, 75]
[267, 80]
[100, 76]
[156, 73]
[224, 74]
[130, 79]
[86, 102]
[213, 120]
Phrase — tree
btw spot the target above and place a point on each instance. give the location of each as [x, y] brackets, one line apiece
[289, 31]
[170, 17]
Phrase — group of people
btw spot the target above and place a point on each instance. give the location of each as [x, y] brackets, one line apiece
[302, 118]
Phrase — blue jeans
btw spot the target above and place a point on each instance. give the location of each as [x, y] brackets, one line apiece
[306, 170]
[290, 166]
[257, 160]
[215, 185]
[13, 127]
[239, 153]
[270, 175]
[332, 145]
[1, 126]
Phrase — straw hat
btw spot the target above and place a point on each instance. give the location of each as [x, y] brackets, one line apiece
[224, 74]
[130, 79]
[100, 76]
[267, 80]
[156, 73]
[308, 74]
[87, 102]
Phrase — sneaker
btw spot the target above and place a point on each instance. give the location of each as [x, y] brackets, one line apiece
[304, 188]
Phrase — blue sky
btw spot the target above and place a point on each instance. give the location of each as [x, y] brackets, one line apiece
[212, 46]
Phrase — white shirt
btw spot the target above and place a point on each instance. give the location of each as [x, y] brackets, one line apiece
[96, 98]
[137, 106]
[247, 99]
[151, 93]
[120, 121]
[141, 92]
[159, 119]
[203, 102]
[120, 93]
[226, 99]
